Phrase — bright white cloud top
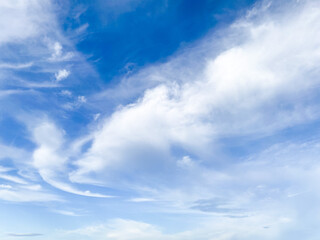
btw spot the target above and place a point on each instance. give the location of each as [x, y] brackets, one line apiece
[219, 141]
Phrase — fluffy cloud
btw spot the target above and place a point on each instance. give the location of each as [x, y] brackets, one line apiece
[249, 89]
[61, 75]
[23, 19]
[171, 134]
[168, 147]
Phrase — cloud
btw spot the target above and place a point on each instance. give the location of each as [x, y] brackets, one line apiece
[249, 89]
[171, 134]
[185, 162]
[77, 103]
[33, 47]
[142, 200]
[20, 20]
[19, 195]
[25, 234]
[66, 93]
[5, 186]
[12, 152]
[16, 66]
[57, 50]
[62, 74]
[214, 228]
[66, 213]
[171, 145]
[31, 44]
[12, 178]
[130, 230]
[50, 178]
[167, 145]
[58, 54]
[49, 160]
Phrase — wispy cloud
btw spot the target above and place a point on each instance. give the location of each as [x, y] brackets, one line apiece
[48, 158]
[21, 20]
[18, 195]
[214, 228]
[12, 178]
[173, 144]
[67, 213]
[244, 90]
[16, 66]
[25, 234]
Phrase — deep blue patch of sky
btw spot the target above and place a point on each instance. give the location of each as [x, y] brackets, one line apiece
[148, 32]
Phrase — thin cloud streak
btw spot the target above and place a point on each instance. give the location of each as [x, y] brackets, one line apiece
[24, 234]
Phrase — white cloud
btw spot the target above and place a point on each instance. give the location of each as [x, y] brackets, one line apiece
[185, 162]
[20, 19]
[12, 178]
[130, 230]
[96, 116]
[7, 93]
[244, 90]
[57, 50]
[58, 54]
[61, 75]
[25, 234]
[165, 145]
[83, 28]
[82, 99]
[36, 187]
[16, 65]
[12, 153]
[142, 200]
[49, 177]
[16, 195]
[50, 140]
[28, 29]
[77, 103]
[66, 213]
[31, 34]
[5, 186]
[214, 228]
[4, 169]
[49, 158]
[249, 89]
[66, 93]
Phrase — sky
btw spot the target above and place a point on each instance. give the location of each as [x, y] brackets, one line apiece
[159, 119]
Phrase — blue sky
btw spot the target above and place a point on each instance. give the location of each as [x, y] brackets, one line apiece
[159, 119]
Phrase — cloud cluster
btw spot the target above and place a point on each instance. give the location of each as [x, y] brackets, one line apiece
[214, 228]
[21, 20]
[174, 129]
[256, 80]
[256, 87]
[33, 58]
